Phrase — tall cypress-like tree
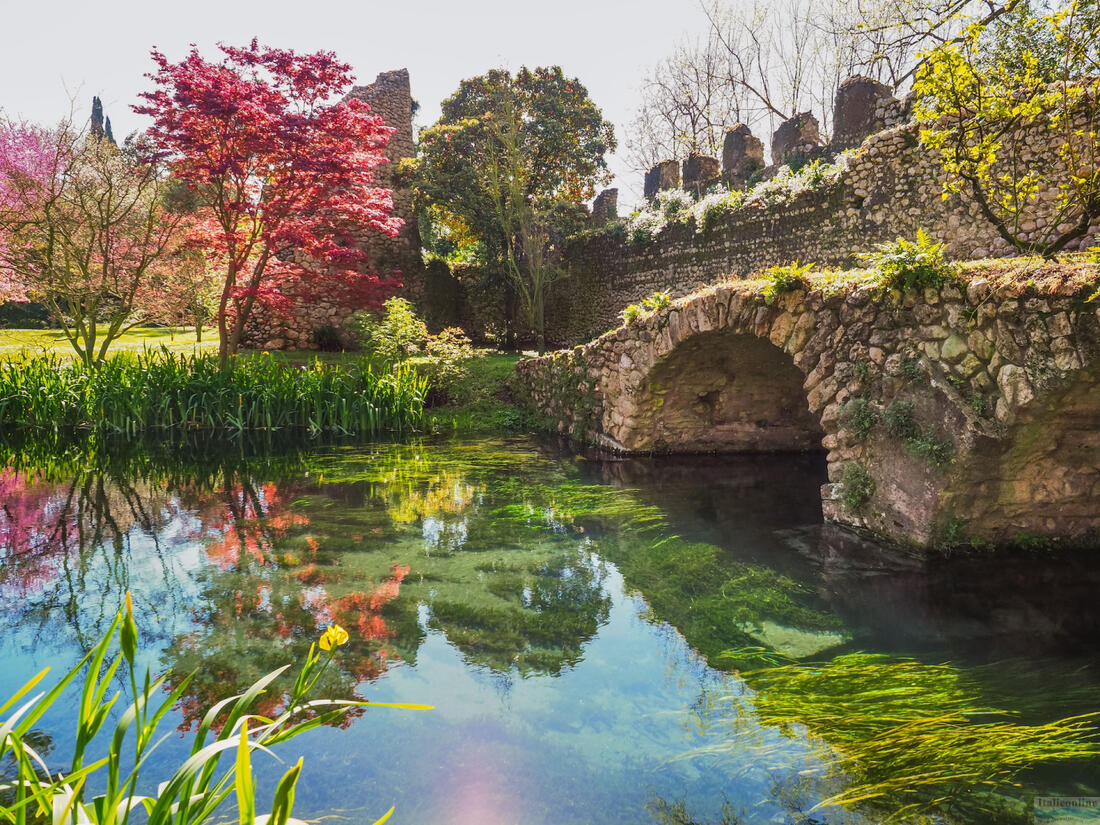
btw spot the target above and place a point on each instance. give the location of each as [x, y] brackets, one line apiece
[101, 126]
[97, 118]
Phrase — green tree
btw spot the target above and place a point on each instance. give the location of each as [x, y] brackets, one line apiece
[503, 165]
[974, 95]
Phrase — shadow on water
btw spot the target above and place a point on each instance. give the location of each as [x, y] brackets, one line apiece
[515, 572]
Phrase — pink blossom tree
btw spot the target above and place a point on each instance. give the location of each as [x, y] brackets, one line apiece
[87, 229]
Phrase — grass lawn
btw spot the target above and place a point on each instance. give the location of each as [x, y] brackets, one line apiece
[28, 343]
[480, 403]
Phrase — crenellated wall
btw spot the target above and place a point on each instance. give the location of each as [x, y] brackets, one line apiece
[891, 188]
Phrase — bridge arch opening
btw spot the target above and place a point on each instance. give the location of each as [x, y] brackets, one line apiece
[728, 392]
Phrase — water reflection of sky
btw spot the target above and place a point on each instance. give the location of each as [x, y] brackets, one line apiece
[501, 585]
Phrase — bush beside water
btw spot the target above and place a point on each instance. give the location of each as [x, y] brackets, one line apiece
[161, 391]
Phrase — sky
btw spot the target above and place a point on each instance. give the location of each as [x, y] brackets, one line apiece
[51, 50]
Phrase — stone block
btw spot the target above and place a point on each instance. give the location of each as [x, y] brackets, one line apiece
[793, 134]
[742, 156]
[605, 208]
[665, 175]
[700, 173]
[854, 114]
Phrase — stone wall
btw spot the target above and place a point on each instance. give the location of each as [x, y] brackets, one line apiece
[890, 189]
[966, 413]
[392, 258]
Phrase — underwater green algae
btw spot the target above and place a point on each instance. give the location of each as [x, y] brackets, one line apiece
[504, 549]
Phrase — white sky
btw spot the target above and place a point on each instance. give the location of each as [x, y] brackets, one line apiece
[102, 47]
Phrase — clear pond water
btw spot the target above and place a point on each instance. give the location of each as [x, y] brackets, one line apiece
[591, 632]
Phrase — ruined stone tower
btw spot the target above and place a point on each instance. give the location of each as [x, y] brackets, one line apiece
[390, 96]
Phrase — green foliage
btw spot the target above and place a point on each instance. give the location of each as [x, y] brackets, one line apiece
[24, 316]
[676, 207]
[861, 369]
[787, 184]
[656, 301]
[856, 486]
[446, 358]
[505, 169]
[161, 391]
[401, 335]
[861, 417]
[784, 278]
[901, 422]
[397, 335]
[480, 401]
[911, 369]
[949, 536]
[911, 266]
[975, 91]
[195, 791]
[713, 209]
[712, 599]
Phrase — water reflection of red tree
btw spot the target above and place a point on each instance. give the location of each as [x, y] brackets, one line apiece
[266, 598]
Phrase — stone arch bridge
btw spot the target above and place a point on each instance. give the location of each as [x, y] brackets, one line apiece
[967, 413]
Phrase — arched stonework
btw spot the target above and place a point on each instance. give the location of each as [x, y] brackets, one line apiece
[726, 392]
[949, 416]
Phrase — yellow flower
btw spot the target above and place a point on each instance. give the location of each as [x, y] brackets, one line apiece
[334, 636]
[128, 633]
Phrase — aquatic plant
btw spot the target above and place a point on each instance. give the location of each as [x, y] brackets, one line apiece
[908, 738]
[194, 793]
[162, 391]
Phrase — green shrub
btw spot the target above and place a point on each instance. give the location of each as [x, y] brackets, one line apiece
[911, 266]
[398, 334]
[856, 486]
[656, 301]
[911, 369]
[861, 417]
[861, 370]
[712, 210]
[23, 316]
[901, 423]
[784, 278]
[194, 792]
[446, 357]
[632, 312]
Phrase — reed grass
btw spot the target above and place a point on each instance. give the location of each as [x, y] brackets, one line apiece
[130, 394]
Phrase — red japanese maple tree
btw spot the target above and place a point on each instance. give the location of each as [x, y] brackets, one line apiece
[282, 164]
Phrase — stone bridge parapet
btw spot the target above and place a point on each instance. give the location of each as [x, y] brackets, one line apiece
[969, 413]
